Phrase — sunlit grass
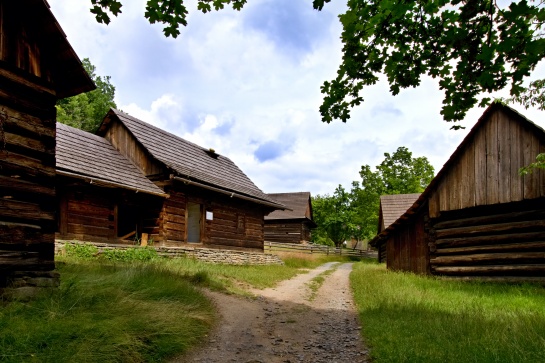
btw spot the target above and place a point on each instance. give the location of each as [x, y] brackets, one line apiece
[106, 313]
[409, 318]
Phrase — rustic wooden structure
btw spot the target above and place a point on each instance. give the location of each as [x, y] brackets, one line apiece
[392, 207]
[37, 67]
[102, 195]
[294, 224]
[211, 203]
[478, 217]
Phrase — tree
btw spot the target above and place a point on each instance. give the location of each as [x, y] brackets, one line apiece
[333, 216]
[473, 47]
[86, 111]
[398, 173]
[355, 214]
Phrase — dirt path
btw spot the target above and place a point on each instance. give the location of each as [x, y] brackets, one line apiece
[286, 324]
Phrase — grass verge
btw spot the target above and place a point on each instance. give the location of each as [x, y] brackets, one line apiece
[409, 318]
[106, 312]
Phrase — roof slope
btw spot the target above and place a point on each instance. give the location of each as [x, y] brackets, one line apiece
[191, 161]
[84, 154]
[394, 206]
[406, 217]
[298, 202]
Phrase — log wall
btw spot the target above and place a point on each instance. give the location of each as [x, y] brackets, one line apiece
[87, 214]
[101, 214]
[406, 249]
[486, 172]
[287, 231]
[236, 224]
[506, 241]
[27, 177]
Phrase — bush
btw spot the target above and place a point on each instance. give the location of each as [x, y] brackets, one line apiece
[81, 251]
[130, 254]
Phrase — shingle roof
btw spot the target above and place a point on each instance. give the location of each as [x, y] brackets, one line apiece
[297, 202]
[191, 161]
[394, 206]
[87, 155]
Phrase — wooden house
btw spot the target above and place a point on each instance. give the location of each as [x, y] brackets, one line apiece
[478, 217]
[37, 67]
[211, 202]
[294, 224]
[392, 207]
[103, 197]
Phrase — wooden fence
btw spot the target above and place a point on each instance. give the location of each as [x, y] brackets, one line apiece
[271, 247]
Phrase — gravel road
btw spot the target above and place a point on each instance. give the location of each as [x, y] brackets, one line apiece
[288, 323]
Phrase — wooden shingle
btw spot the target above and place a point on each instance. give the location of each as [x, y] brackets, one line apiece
[394, 206]
[188, 160]
[298, 202]
[87, 155]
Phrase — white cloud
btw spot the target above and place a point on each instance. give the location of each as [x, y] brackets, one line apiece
[251, 91]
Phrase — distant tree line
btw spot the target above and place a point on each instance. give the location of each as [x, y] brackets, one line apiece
[354, 214]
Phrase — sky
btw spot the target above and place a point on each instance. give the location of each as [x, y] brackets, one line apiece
[247, 84]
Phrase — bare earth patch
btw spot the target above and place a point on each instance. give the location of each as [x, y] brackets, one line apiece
[288, 323]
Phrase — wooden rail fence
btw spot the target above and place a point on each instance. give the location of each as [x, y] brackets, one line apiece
[270, 247]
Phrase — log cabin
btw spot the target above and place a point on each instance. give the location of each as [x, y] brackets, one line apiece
[37, 67]
[211, 202]
[391, 207]
[294, 224]
[102, 196]
[478, 218]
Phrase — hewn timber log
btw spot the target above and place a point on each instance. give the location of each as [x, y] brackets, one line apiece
[480, 240]
[491, 219]
[511, 257]
[490, 228]
[491, 269]
[516, 247]
[503, 279]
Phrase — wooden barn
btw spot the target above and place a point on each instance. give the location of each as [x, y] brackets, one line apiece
[478, 217]
[102, 196]
[211, 202]
[392, 207]
[37, 67]
[294, 224]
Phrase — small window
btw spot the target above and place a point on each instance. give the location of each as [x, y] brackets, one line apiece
[209, 215]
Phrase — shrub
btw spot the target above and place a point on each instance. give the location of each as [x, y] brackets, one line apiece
[131, 254]
[81, 250]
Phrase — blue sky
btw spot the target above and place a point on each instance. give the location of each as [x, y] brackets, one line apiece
[247, 84]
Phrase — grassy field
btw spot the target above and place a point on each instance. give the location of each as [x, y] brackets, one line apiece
[409, 318]
[114, 310]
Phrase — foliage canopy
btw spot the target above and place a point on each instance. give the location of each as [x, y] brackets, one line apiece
[87, 110]
[472, 47]
[355, 213]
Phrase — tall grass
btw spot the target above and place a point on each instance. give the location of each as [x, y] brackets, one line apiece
[409, 318]
[106, 313]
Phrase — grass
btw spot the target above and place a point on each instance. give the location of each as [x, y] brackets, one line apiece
[106, 312]
[409, 318]
[110, 309]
